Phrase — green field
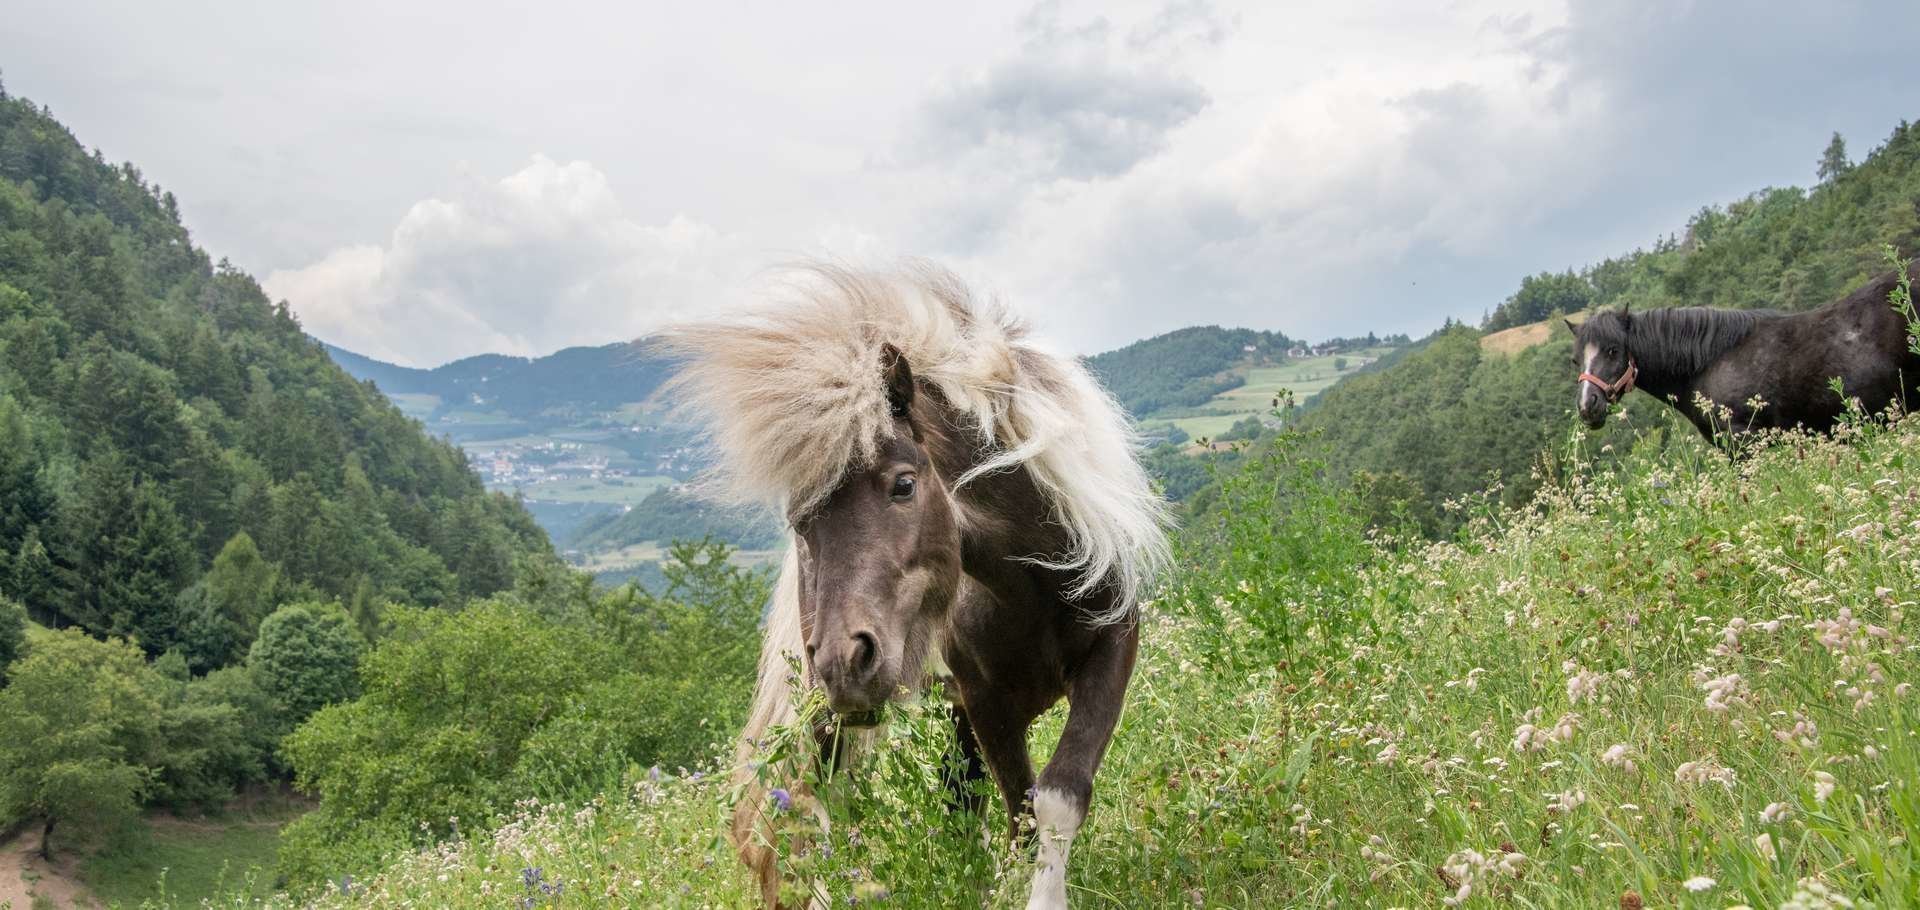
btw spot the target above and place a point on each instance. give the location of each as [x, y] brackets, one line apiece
[1683, 685]
[1305, 378]
[230, 855]
[622, 490]
[417, 405]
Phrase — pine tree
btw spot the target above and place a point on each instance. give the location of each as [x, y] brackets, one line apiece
[1833, 162]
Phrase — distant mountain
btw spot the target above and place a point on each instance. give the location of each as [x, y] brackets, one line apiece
[571, 383]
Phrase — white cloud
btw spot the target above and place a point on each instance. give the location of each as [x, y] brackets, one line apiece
[1115, 168]
[543, 258]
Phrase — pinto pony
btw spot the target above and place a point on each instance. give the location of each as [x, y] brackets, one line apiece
[959, 501]
[1754, 369]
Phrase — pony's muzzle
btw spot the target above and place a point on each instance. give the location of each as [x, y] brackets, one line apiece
[849, 669]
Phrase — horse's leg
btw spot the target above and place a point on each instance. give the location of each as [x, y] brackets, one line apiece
[1060, 802]
[1000, 729]
[969, 767]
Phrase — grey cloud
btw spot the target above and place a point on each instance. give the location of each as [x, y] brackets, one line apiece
[1066, 104]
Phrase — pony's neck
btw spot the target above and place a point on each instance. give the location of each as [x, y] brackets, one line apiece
[1004, 513]
[1672, 347]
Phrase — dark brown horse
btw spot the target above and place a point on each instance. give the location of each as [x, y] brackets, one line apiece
[1734, 371]
[961, 503]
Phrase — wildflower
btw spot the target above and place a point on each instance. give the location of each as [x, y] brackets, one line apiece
[1775, 813]
[531, 876]
[1700, 772]
[1812, 894]
[1583, 684]
[1724, 692]
[1528, 738]
[1564, 803]
[1698, 884]
[782, 800]
[1619, 755]
[1388, 755]
[1764, 844]
[1823, 784]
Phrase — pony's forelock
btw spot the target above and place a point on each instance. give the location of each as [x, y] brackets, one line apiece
[792, 397]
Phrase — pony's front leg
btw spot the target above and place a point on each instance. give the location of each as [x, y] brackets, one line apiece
[1065, 790]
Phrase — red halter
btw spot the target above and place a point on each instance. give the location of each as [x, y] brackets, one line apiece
[1618, 388]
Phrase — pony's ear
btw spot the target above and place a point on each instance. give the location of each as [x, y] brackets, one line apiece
[1570, 326]
[1625, 316]
[899, 379]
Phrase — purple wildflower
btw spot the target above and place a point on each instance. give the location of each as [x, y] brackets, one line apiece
[531, 876]
[782, 800]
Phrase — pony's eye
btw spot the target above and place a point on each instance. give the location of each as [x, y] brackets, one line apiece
[902, 488]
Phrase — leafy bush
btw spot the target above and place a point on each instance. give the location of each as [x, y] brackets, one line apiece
[307, 657]
[13, 634]
[77, 719]
[554, 691]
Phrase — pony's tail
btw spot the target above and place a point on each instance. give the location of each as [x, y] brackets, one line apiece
[772, 707]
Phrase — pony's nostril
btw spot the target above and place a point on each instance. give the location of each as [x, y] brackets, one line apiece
[866, 652]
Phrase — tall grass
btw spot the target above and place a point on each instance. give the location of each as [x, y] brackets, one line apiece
[1676, 684]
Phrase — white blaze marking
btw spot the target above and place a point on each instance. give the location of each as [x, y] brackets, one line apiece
[1586, 388]
[1057, 822]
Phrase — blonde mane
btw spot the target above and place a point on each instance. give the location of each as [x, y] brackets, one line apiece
[791, 394]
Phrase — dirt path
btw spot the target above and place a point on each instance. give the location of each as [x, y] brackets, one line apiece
[24, 876]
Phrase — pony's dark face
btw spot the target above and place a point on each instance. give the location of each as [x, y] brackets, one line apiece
[1600, 350]
[879, 566]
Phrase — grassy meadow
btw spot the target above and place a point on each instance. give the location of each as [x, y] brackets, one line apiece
[1304, 377]
[1684, 684]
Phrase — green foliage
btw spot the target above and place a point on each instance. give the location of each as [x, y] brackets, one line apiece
[1833, 162]
[306, 658]
[77, 718]
[1294, 542]
[667, 514]
[1542, 296]
[1183, 368]
[1902, 298]
[155, 407]
[1629, 687]
[552, 691]
[13, 634]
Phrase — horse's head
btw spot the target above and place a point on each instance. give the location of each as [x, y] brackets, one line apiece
[1607, 370]
[879, 560]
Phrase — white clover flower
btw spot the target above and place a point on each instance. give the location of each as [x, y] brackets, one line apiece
[1775, 813]
[1823, 786]
[1698, 884]
[1619, 755]
[1764, 844]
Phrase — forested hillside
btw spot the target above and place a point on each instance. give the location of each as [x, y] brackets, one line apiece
[157, 409]
[1183, 367]
[205, 520]
[1452, 419]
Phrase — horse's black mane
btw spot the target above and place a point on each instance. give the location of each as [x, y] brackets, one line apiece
[1679, 341]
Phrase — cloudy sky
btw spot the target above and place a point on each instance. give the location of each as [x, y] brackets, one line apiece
[429, 180]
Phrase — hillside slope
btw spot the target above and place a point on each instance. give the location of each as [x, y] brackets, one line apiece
[1466, 414]
[156, 407]
[1318, 721]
